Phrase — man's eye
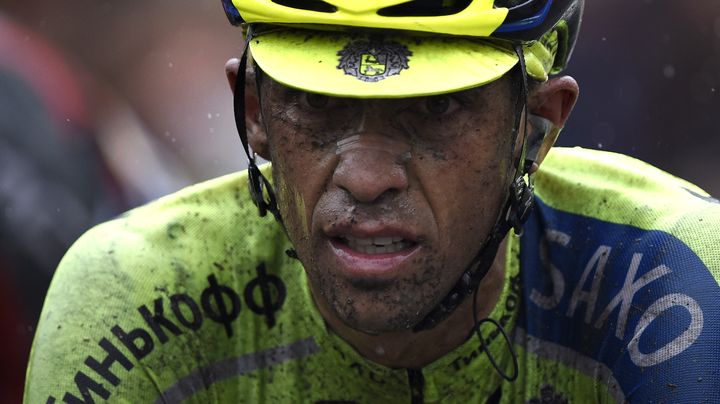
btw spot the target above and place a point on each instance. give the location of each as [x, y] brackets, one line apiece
[313, 100]
[440, 105]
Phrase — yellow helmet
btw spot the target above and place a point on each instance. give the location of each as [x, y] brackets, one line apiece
[401, 48]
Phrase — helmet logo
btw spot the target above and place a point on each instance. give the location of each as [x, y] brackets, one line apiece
[374, 60]
[370, 66]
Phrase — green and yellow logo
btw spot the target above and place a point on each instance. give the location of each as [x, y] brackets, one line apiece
[373, 60]
[370, 66]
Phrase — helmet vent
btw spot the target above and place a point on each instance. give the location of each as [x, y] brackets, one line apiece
[310, 5]
[425, 8]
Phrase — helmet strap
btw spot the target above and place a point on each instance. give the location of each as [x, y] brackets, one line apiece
[261, 190]
[515, 212]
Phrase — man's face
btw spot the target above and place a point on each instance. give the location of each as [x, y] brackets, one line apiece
[384, 234]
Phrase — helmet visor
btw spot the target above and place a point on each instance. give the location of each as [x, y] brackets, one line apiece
[378, 66]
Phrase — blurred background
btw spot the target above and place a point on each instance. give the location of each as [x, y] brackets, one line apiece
[107, 104]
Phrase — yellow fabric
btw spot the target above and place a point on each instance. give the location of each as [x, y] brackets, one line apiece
[313, 61]
[177, 258]
[620, 189]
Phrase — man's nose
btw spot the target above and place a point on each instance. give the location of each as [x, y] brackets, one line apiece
[369, 173]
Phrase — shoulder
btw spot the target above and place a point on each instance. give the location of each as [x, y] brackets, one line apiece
[617, 189]
[171, 241]
[163, 287]
[621, 268]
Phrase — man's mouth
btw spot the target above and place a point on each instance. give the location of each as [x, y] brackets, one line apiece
[376, 245]
[378, 258]
[371, 250]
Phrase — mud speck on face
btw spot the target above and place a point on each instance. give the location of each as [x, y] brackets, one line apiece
[438, 155]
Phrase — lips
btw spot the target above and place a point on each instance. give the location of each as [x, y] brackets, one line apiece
[372, 251]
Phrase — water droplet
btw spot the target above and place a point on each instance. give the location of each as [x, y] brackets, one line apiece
[669, 71]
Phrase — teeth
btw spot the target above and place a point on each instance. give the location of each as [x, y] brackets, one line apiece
[360, 241]
[382, 240]
[377, 245]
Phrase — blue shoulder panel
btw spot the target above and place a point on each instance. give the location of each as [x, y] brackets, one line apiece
[639, 304]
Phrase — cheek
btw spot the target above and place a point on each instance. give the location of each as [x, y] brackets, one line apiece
[299, 175]
[470, 185]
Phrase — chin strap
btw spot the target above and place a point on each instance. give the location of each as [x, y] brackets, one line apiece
[515, 211]
[261, 191]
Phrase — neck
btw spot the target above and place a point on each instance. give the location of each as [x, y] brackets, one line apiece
[413, 350]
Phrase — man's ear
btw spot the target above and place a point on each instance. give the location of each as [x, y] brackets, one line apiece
[553, 100]
[257, 136]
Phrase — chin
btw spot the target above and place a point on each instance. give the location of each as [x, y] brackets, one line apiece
[374, 327]
[377, 306]
[377, 320]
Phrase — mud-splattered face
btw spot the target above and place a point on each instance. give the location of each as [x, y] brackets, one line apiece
[384, 235]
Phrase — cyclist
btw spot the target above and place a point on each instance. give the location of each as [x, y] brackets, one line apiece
[402, 260]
